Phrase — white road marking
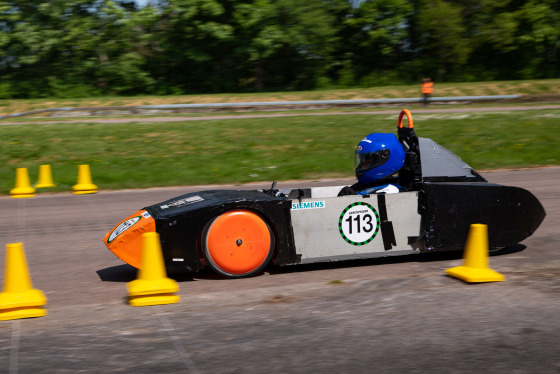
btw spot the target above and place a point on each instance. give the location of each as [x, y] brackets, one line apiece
[172, 333]
[14, 347]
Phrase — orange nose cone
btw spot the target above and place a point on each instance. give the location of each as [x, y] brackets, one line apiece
[125, 239]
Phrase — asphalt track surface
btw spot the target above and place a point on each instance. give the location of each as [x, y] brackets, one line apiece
[398, 315]
[155, 119]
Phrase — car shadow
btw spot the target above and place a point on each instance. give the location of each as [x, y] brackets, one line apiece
[119, 273]
[419, 257]
[127, 273]
[516, 248]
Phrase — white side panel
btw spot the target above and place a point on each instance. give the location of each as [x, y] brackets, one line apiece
[337, 228]
[321, 192]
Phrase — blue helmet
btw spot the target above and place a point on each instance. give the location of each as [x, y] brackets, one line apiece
[378, 156]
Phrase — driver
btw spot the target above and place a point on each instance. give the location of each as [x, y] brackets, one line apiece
[377, 159]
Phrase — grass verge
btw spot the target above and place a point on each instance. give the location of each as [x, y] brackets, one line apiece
[141, 155]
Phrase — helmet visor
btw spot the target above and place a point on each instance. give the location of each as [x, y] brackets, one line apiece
[367, 161]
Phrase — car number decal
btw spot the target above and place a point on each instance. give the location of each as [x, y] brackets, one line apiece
[358, 223]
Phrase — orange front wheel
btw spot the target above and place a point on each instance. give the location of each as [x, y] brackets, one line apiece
[237, 244]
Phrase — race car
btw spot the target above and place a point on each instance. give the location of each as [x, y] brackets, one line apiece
[238, 233]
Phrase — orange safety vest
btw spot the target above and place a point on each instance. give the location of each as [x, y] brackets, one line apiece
[428, 87]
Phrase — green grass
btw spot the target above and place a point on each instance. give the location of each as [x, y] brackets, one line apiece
[266, 149]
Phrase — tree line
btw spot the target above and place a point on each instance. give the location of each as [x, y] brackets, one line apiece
[80, 48]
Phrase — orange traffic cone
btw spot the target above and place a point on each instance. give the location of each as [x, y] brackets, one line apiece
[45, 177]
[152, 286]
[23, 187]
[84, 185]
[475, 267]
[19, 299]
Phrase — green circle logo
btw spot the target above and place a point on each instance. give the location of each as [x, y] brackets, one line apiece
[358, 223]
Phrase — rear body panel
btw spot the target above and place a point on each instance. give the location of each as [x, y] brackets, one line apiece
[448, 209]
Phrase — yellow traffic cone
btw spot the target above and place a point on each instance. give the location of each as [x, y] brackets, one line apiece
[152, 286]
[23, 187]
[85, 184]
[475, 267]
[45, 177]
[19, 299]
